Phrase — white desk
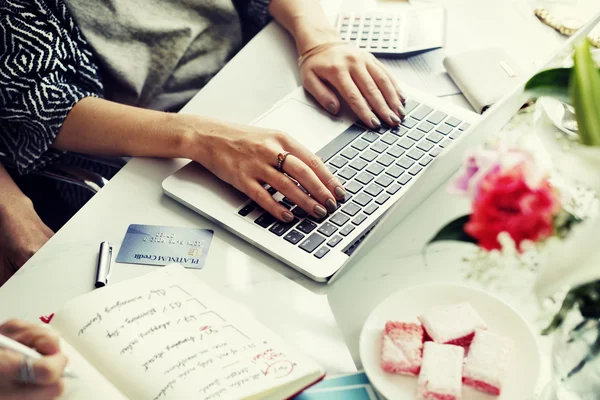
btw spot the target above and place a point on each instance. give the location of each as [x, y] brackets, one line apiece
[291, 305]
[285, 301]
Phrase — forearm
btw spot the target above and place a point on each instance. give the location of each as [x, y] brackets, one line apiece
[305, 20]
[9, 191]
[98, 126]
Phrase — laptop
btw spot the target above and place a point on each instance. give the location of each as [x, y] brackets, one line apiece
[387, 173]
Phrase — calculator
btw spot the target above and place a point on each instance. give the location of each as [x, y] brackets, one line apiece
[401, 33]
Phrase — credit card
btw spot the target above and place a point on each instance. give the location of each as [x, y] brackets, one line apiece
[162, 245]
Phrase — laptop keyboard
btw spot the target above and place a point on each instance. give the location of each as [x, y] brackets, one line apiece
[373, 166]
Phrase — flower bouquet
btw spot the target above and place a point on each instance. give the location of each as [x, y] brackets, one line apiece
[514, 203]
[576, 261]
[510, 195]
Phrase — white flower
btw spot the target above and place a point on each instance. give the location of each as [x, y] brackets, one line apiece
[570, 262]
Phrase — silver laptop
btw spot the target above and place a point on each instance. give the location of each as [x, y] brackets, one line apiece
[387, 173]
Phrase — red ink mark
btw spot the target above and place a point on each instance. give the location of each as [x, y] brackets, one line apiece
[47, 319]
[268, 354]
[204, 328]
[279, 369]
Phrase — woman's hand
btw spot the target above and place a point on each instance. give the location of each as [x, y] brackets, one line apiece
[246, 158]
[22, 232]
[356, 75]
[362, 80]
[47, 371]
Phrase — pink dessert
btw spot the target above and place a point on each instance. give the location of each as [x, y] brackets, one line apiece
[455, 324]
[487, 362]
[441, 372]
[401, 348]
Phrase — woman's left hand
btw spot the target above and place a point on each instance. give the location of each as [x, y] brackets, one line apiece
[360, 78]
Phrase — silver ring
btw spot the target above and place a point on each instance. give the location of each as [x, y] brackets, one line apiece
[26, 372]
[281, 159]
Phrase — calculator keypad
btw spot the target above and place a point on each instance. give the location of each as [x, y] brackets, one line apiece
[394, 33]
[375, 33]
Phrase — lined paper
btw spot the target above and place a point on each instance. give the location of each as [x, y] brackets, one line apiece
[167, 335]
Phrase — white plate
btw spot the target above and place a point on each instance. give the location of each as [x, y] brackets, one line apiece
[407, 304]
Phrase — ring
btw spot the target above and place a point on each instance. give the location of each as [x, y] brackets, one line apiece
[281, 159]
[26, 372]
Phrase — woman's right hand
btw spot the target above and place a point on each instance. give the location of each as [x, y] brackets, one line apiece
[47, 371]
[246, 157]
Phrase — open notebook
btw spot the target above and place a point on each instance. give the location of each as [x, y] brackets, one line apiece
[166, 335]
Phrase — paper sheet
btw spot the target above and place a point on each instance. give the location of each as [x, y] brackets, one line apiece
[425, 72]
[167, 336]
[90, 384]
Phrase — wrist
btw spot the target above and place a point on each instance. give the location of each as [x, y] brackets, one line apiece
[181, 136]
[309, 34]
[199, 137]
[11, 201]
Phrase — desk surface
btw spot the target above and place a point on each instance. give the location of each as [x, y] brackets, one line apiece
[300, 311]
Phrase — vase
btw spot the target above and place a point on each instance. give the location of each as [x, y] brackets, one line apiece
[574, 377]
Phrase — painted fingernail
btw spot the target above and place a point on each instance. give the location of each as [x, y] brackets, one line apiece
[331, 207]
[340, 192]
[402, 97]
[375, 122]
[320, 211]
[394, 118]
[287, 216]
[402, 110]
[331, 108]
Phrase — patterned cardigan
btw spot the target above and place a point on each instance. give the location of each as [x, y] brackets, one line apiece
[46, 67]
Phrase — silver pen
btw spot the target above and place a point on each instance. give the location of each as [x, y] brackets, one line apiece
[10, 344]
[103, 267]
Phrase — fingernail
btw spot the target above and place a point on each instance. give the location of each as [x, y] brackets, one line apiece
[331, 206]
[287, 216]
[340, 192]
[394, 118]
[331, 108]
[320, 211]
[375, 122]
[402, 97]
[402, 110]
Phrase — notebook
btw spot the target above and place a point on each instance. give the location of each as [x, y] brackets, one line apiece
[483, 76]
[167, 335]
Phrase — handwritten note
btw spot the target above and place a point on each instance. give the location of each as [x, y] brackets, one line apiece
[168, 336]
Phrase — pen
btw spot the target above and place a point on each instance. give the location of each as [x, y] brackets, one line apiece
[103, 267]
[9, 344]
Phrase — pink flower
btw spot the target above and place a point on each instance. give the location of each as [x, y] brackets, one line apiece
[481, 162]
[506, 202]
[477, 165]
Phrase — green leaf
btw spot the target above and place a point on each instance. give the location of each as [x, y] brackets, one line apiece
[454, 231]
[585, 297]
[564, 223]
[585, 94]
[567, 305]
[550, 83]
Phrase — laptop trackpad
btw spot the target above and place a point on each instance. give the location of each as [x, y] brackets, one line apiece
[309, 125]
